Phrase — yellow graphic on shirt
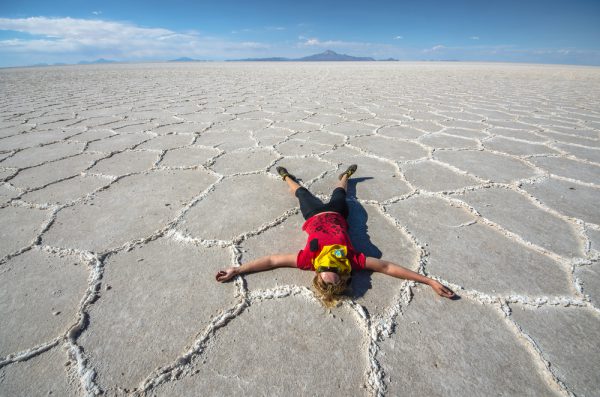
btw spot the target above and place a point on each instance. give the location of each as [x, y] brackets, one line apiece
[333, 258]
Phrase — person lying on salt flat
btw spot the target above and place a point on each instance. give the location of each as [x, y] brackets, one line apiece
[329, 251]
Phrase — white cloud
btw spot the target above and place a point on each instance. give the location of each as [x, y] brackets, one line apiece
[37, 46]
[96, 12]
[315, 42]
[312, 42]
[474, 37]
[514, 53]
[398, 37]
[73, 39]
[118, 40]
[357, 48]
[83, 30]
[435, 48]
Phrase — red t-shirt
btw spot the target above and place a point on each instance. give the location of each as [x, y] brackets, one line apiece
[327, 228]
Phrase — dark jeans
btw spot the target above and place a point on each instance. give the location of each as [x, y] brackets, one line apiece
[311, 205]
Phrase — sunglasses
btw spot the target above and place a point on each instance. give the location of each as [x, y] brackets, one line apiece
[322, 269]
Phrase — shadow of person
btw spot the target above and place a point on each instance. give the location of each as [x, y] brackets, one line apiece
[359, 235]
[351, 188]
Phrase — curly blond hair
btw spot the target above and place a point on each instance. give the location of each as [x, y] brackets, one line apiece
[330, 294]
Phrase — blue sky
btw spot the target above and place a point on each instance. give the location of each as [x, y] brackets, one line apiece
[550, 31]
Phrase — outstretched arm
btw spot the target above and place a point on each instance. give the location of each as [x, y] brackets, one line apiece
[394, 270]
[258, 265]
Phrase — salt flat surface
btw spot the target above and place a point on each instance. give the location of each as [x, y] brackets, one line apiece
[124, 188]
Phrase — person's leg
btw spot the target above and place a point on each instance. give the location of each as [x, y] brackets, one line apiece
[309, 204]
[292, 184]
[343, 183]
[337, 203]
[289, 179]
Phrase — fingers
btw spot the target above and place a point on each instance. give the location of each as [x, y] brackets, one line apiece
[446, 292]
[221, 276]
[443, 290]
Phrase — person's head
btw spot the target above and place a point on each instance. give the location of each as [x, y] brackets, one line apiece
[331, 286]
[333, 273]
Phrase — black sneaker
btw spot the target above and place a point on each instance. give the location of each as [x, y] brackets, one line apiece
[284, 173]
[349, 171]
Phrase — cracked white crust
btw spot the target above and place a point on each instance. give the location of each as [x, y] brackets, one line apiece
[449, 112]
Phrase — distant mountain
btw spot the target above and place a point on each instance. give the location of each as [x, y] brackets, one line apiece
[327, 56]
[389, 60]
[333, 56]
[186, 59]
[97, 61]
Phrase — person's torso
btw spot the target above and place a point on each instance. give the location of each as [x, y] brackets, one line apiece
[325, 230]
[329, 228]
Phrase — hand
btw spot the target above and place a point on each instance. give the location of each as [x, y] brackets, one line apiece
[226, 274]
[441, 290]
